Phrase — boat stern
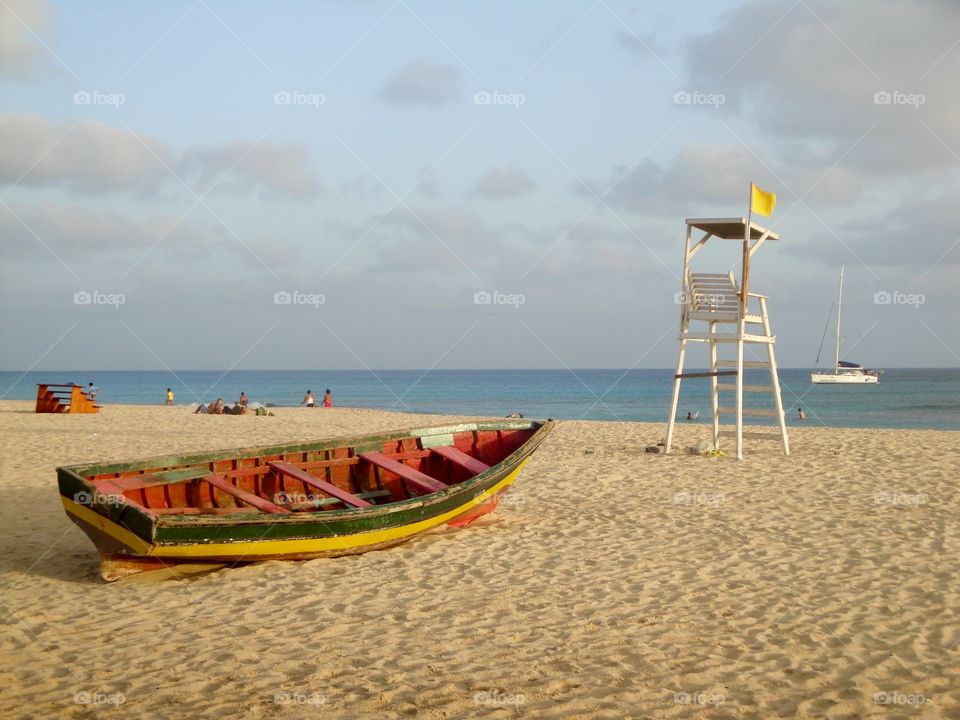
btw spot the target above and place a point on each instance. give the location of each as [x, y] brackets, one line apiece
[113, 523]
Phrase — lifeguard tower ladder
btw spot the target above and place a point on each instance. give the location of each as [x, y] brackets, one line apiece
[729, 316]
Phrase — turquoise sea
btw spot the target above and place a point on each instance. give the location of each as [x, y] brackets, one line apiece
[904, 398]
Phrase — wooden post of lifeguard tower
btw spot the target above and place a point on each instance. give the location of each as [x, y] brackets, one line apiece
[728, 321]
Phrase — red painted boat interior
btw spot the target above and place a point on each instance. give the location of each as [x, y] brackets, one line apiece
[337, 478]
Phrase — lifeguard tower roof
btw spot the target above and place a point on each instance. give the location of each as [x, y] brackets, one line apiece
[730, 228]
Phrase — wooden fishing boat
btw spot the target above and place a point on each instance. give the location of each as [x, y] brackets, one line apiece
[293, 502]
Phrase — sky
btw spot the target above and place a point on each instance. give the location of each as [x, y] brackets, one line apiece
[231, 185]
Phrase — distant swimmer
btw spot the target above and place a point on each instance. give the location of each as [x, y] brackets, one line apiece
[801, 413]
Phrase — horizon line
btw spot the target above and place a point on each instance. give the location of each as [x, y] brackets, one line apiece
[427, 370]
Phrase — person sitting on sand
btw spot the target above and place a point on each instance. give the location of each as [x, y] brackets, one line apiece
[327, 398]
[309, 400]
[169, 396]
[218, 407]
[244, 400]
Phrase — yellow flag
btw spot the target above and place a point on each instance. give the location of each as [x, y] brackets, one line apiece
[762, 202]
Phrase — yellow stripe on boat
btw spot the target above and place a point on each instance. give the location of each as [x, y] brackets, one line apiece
[265, 548]
[106, 525]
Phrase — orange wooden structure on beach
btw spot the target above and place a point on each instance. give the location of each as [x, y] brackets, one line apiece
[64, 399]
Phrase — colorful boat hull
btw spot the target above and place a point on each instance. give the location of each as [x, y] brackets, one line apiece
[133, 538]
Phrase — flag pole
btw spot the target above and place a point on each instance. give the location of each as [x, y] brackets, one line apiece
[745, 269]
[741, 322]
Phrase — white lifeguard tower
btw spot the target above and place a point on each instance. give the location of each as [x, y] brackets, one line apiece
[728, 316]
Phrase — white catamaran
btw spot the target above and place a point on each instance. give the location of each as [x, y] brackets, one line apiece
[843, 372]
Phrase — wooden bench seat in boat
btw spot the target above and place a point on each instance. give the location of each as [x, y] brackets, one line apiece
[314, 504]
[169, 477]
[318, 484]
[458, 457]
[319, 502]
[416, 478]
[243, 496]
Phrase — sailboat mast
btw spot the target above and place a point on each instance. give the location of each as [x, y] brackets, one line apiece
[836, 363]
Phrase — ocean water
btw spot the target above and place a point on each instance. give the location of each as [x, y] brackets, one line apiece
[904, 398]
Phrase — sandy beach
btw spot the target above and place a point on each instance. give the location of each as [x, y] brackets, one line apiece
[611, 584]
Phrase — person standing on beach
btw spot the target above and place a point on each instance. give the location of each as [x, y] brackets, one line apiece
[309, 400]
[801, 413]
[327, 399]
[244, 400]
[92, 391]
[169, 397]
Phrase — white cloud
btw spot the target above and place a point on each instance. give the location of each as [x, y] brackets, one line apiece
[641, 46]
[275, 168]
[363, 185]
[92, 157]
[72, 232]
[422, 83]
[82, 237]
[810, 72]
[22, 22]
[428, 184]
[501, 183]
[88, 157]
[918, 235]
[437, 240]
[699, 175]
